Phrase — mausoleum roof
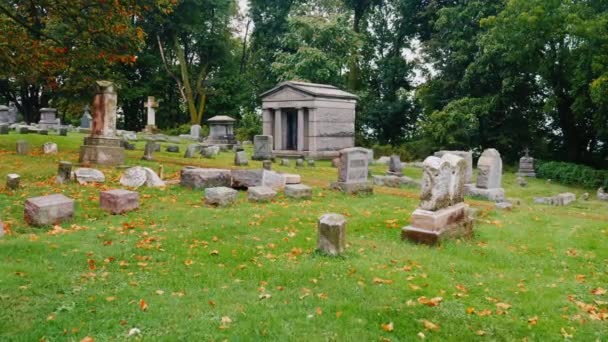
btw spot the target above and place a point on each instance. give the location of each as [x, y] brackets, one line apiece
[219, 118]
[313, 89]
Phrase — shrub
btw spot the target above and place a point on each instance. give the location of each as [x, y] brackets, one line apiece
[572, 174]
[249, 125]
[185, 129]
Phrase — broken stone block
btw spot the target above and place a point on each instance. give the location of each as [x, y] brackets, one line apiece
[118, 201]
[23, 147]
[199, 178]
[331, 238]
[49, 148]
[260, 194]
[298, 191]
[291, 178]
[242, 179]
[64, 172]
[220, 196]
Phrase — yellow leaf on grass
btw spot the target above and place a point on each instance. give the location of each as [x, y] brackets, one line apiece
[503, 306]
[110, 299]
[533, 320]
[382, 281]
[143, 305]
[428, 325]
[387, 326]
[598, 291]
[430, 302]
[188, 262]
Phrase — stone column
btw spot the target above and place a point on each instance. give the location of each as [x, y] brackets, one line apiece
[300, 129]
[267, 128]
[278, 131]
[104, 104]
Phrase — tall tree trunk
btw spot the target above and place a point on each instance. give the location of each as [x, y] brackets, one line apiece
[183, 66]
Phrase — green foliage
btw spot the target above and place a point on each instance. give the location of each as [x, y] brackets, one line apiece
[457, 125]
[409, 151]
[249, 125]
[572, 174]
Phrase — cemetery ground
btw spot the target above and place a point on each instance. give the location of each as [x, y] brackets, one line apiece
[177, 269]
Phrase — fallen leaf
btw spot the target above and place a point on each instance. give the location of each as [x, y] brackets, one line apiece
[318, 311]
[387, 326]
[428, 325]
[143, 305]
[421, 335]
[533, 320]
[110, 299]
[480, 333]
[160, 292]
[430, 302]
[188, 262]
[503, 306]
[87, 339]
[598, 291]
[338, 314]
[382, 281]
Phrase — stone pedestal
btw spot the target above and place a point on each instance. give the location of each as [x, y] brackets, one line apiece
[46, 210]
[48, 118]
[118, 201]
[331, 234]
[103, 151]
[430, 227]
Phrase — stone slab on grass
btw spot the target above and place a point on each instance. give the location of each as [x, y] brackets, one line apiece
[260, 194]
[118, 201]
[199, 178]
[298, 191]
[46, 210]
[220, 196]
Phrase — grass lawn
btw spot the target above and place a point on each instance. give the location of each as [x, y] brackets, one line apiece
[179, 270]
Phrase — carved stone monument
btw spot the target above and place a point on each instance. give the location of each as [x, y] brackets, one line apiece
[85, 120]
[468, 158]
[353, 171]
[48, 118]
[262, 147]
[4, 118]
[151, 105]
[489, 177]
[526, 165]
[395, 167]
[103, 146]
[221, 131]
[442, 212]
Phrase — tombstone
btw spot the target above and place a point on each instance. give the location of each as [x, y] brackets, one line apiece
[299, 162]
[86, 119]
[526, 165]
[210, 151]
[63, 131]
[602, 195]
[87, 175]
[4, 116]
[260, 194]
[285, 162]
[103, 146]
[467, 156]
[47, 210]
[134, 177]
[118, 201]
[331, 238]
[521, 181]
[192, 150]
[48, 118]
[395, 167]
[4, 129]
[13, 113]
[489, 177]
[240, 158]
[311, 162]
[273, 180]
[43, 131]
[262, 147]
[12, 181]
[195, 131]
[220, 196]
[298, 191]
[442, 212]
[238, 148]
[172, 149]
[198, 178]
[23, 147]
[353, 172]
[23, 129]
[267, 165]
[49, 148]
[149, 151]
[64, 172]
[151, 106]
[221, 131]
[557, 200]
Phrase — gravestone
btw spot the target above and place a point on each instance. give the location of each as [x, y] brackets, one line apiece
[299, 162]
[64, 172]
[23, 147]
[46, 210]
[489, 177]
[63, 131]
[103, 146]
[195, 131]
[291, 178]
[260, 194]
[49, 148]
[87, 175]
[192, 150]
[602, 195]
[468, 158]
[43, 131]
[134, 177]
[395, 167]
[86, 119]
[13, 113]
[298, 191]
[353, 171]
[442, 212]
[244, 179]
[23, 129]
[149, 151]
[4, 116]
[262, 147]
[198, 178]
[172, 149]
[331, 234]
[48, 118]
[267, 165]
[240, 158]
[4, 129]
[526, 165]
[220, 196]
[118, 201]
[311, 162]
[557, 200]
[285, 162]
[151, 106]
[273, 180]
[12, 181]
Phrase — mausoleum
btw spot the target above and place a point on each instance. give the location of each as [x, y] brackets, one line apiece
[221, 131]
[308, 119]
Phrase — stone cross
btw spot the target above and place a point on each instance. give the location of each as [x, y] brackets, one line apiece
[151, 105]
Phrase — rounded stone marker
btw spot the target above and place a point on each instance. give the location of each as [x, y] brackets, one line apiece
[64, 172]
[331, 234]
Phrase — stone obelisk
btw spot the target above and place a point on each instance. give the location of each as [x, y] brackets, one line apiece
[103, 146]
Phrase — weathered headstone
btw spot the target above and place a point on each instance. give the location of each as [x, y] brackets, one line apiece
[23, 129]
[49, 148]
[602, 195]
[172, 149]
[526, 165]
[46, 210]
[262, 147]
[468, 158]
[489, 177]
[149, 151]
[240, 158]
[242, 179]
[267, 165]
[48, 118]
[23, 147]
[151, 106]
[13, 113]
[43, 131]
[118, 201]
[285, 162]
[298, 191]
[273, 180]
[557, 200]
[12, 181]
[63, 131]
[220, 196]
[521, 181]
[299, 162]
[210, 151]
[442, 212]
[4, 118]
[87, 175]
[331, 239]
[195, 131]
[4, 129]
[86, 119]
[198, 178]
[64, 172]
[134, 177]
[395, 167]
[260, 194]
[311, 162]
[192, 150]
[353, 171]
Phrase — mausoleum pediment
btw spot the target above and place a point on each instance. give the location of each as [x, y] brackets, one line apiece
[288, 94]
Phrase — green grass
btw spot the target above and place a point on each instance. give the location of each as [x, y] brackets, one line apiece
[193, 264]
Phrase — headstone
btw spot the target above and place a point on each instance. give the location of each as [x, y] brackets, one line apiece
[13, 113]
[237, 148]
[103, 146]
[526, 165]
[220, 196]
[395, 168]
[151, 106]
[64, 172]
[311, 162]
[489, 177]
[198, 178]
[149, 151]
[195, 131]
[243, 179]
[156, 147]
[4, 129]
[442, 212]
[86, 119]
[192, 150]
[521, 181]
[468, 158]
[384, 160]
[46, 210]
[49, 148]
[210, 151]
[353, 171]
[331, 239]
[260, 194]
[43, 131]
[602, 195]
[4, 118]
[291, 178]
[267, 165]
[23, 129]
[240, 158]
[87, 175]
[134, 177]
[585, 196]
[298, 191]
[262, 147]
[558, 200]
[172, 149]
[63, 131]
[12, 181]
[273, 180]
[285, 162]
[394, 181]
[23, 147]
[299, 162]
[118, 201]
[48, 118]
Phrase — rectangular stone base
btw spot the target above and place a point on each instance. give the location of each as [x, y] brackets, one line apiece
[353, 188]
[527, 174]
[432, 227]
[496, 194]
[102, 151]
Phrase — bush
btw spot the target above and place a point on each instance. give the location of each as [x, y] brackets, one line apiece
[185, 129]
[572, 174]
[249, 125]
